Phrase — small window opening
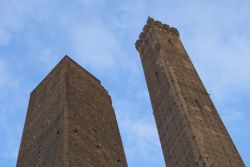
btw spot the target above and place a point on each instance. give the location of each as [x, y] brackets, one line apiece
[156, 75]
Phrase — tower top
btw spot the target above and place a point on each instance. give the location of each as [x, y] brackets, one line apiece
[154, 24]
[62, 65]
[67, 58]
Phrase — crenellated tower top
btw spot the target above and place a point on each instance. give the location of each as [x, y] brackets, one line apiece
[154, 24]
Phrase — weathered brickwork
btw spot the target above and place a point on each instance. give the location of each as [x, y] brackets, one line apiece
[190, 129]
[70, 122]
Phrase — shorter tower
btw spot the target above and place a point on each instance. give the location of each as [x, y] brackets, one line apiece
[190, 129]
[70, 122]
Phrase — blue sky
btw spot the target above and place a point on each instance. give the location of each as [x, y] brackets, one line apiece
[100, 36]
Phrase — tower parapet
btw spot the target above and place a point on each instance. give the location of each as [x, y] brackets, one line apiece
[151, 25]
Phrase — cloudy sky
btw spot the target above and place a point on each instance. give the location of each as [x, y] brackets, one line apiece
[100, 36]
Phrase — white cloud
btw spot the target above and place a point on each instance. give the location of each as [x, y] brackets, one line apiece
[13, 15]
[223, 65]
[139, 132]
[142, 137]
[95, 45]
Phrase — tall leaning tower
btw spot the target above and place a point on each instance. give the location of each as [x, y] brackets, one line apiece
[190, 129]
[70, 122]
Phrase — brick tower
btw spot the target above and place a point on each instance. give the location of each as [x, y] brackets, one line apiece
[70, 122]
[190, 129]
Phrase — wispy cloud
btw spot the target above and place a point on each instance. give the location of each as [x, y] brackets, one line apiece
[13, 15]
[140, 135]
[95, 45]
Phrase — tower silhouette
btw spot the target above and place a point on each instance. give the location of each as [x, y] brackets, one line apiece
[70, 122]
[190, 129]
